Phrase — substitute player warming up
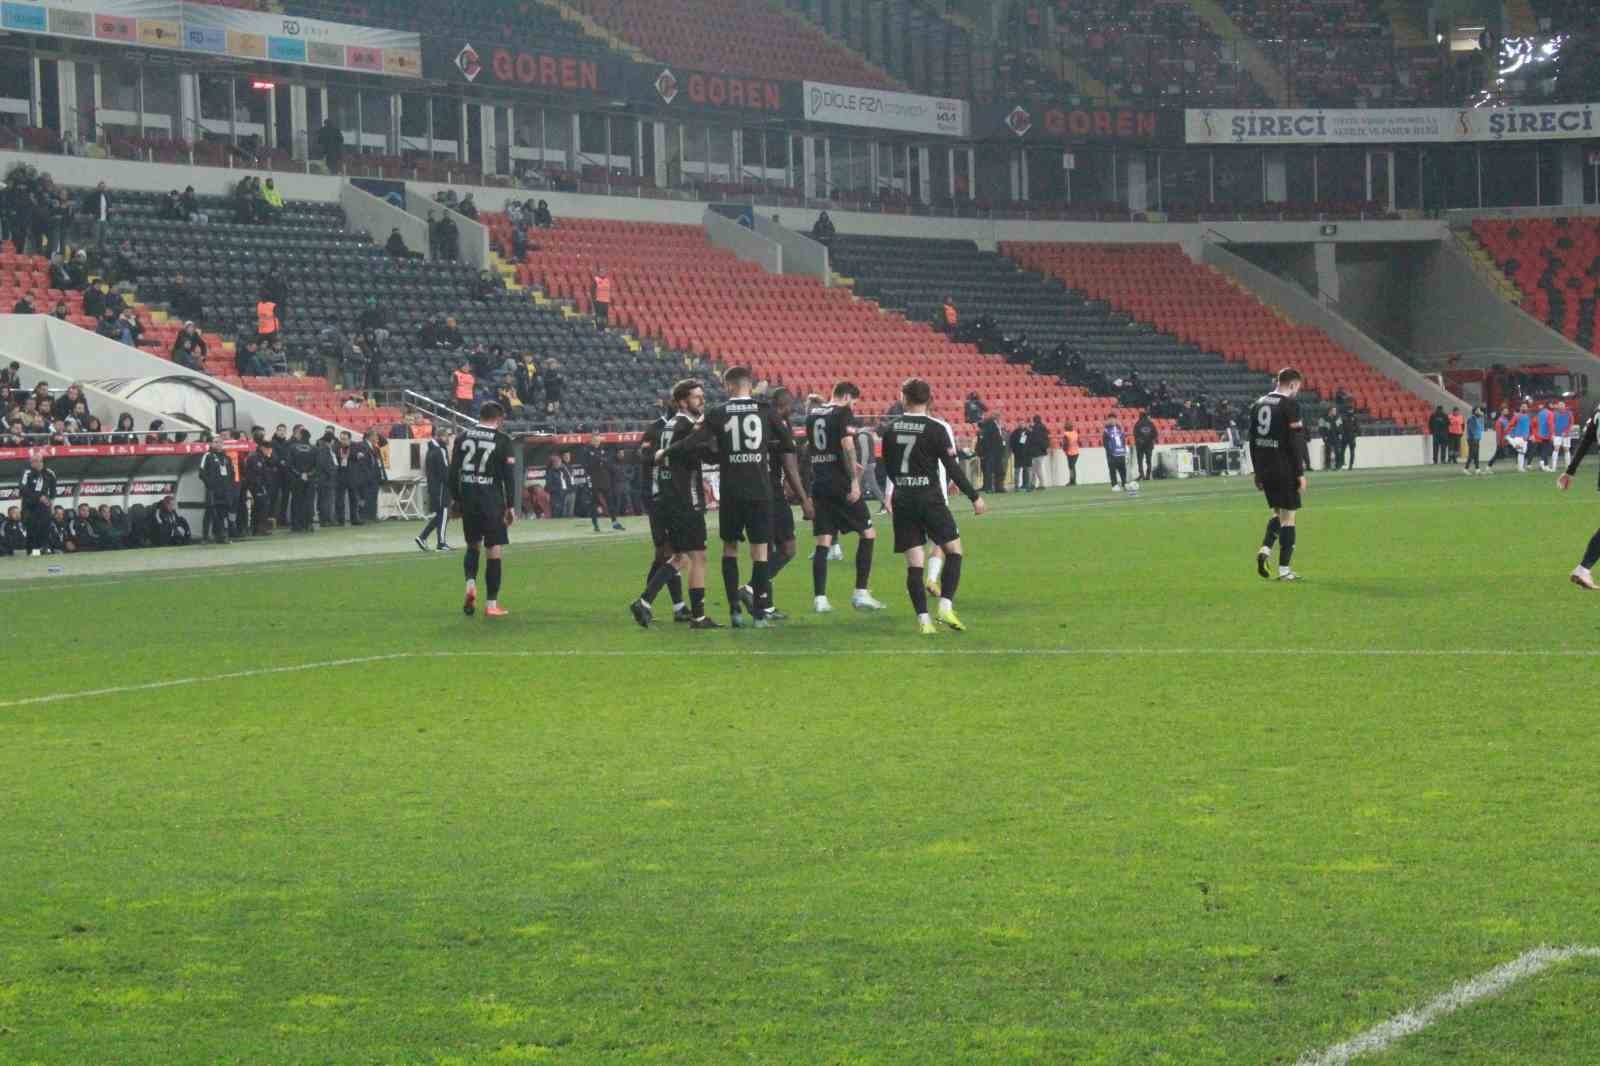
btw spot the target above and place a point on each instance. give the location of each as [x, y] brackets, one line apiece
[483, 482]
[917, 451]
[1279, 453]
[1582, 576]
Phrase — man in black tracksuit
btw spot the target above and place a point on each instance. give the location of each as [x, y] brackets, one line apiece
[37, 491]
[361, 467]
[259, 473]
[992, 453]
[436, 467]
[329, 509]
[1021, 458]
[302, 468]
[1144, 443]
[216, 473]
[278, 503]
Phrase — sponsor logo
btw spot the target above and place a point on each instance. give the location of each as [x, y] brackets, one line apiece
[549, 71]
[469, 63]
[1019, 121]
[1540, 121]
[667, 86]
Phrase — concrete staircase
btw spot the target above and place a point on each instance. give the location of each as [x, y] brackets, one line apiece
[1484, 263]
[591, 28]
[1254, 60]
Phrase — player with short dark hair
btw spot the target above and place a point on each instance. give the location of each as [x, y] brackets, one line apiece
[742, 430]
[680, 495]
[1280, 455]
[1581, 576]
[837, 496]
[662, 554]
[919, 451]
[781, 546]
[483, 469]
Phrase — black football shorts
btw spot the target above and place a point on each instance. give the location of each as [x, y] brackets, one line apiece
[918, 520]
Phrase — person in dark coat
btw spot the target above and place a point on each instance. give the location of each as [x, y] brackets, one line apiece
[184, 301]
[992, 453]
[216, 473]
[171, 528]
[541, 216]
[1144, 444]
[36, 491]
[362, 478]
[330, 510]
[330, 143]
[436, 467]
[260, 474]
[302, 469]
[1021, 458]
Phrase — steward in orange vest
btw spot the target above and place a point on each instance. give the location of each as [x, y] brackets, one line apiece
[600, 296]
[266, 320]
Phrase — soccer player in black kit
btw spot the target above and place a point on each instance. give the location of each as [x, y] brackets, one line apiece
[781, 545]
[679, 493]
[483, 484]
[1279, 453]
[836, 495]
[918, 450]
[742, 429]
[662, 554]
[1582, 576]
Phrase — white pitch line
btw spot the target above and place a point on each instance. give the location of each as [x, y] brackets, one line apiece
[803, 653]
[1484, 986]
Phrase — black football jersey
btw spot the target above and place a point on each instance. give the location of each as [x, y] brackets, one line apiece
[680, 479]
[782, 444]
[917, 452]
[1277, 437]
[483, 469]
[648, 446]
[743, 429]
[828, 434]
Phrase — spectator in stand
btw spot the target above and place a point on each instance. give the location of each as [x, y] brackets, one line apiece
[23, 306]
[171, 528]
[184, 301]
[488, 287]
[467, 208]
[949, 317]
[519, 244]
[396, 246]
[125, 433]
[246, 200]
[541, 216]
[168, 209]
[449, 335]
[68, 402]
[526, 379]
[330, 142]
[600, 296]
[271, 201]
[78, 271]
[247, 359]
[37, 492]
[98, 206]
[465, 387]
[973, 410]
[94, 300]
[189, 204]
[822, 230]
[275, 358]
[374, 319]
[192, 346]
[1439, 429]
[554, 386]
[110, 325]
[449, 239]
[60, 273]
[61, 313]
[58, 216]
[1145, 438]
[123, 270]
[267, 324]
[1116, 445]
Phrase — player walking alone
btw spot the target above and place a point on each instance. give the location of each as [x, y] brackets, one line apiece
[1280, 455]
[483, 469]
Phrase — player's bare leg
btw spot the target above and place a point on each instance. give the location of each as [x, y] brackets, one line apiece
[934, 567]
[951, 579]
[918, 591]
[861, 599]
[491, 576]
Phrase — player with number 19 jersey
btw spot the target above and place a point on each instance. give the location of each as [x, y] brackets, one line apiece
[745, 432]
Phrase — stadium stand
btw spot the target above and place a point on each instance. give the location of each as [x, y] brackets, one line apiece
[483, 23]
[1161, 286]
[735, 37]
[672, 284]
[1555, 264]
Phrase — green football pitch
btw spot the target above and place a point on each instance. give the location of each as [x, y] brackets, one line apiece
[1149, 809]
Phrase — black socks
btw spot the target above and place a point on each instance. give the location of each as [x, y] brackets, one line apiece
[1274, 525]
[918, 591]
[864, 563]
[775, 564]
[469, 562]
[819, 571]
[951, 578]
[697, 603]
[664, 573]
[730, 582]
[1285, 545]
[761, 586]
[1592, 556]
[491, 573]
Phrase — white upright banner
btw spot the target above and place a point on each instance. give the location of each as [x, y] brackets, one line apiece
[882, 110]
[1391, 125]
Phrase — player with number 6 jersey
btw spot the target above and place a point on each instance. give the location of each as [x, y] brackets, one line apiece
[483, 470]
[837, 497]
[1280, 456]
[918, 451]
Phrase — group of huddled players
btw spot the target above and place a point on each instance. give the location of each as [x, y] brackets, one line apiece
[749, 441]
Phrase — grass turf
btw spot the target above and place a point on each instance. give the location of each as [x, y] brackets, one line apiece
[1150, 809]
